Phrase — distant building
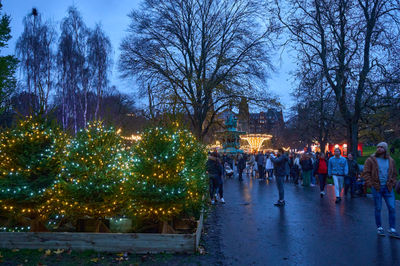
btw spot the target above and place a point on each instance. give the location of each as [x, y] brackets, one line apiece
[269, 122]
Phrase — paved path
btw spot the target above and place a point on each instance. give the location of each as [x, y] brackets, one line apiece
[307, 231]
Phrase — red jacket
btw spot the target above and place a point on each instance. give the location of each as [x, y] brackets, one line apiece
[321, 166]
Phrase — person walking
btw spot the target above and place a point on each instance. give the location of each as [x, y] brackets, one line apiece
[280, 172]
[241, 166]
[252, 164]
[235, 169]
[214, 171]
[224, 160]
[351, 178]
[296, 169]
[321, 171]
[260, 165]
[269, 167]
[306, 168]
[287, 168]
[314, 158]
[338, 169]
[380, 174]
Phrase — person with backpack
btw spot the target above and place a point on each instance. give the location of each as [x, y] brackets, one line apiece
[306, 168]
[321, 170]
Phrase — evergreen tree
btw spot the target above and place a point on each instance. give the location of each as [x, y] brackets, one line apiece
[30, 156]
[169, 175]
[93, 174]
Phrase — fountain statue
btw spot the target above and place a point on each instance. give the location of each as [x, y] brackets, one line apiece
[230, 137]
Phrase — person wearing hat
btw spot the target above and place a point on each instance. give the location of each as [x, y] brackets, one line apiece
[380, 174]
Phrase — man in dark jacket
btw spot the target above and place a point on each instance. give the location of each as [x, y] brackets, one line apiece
[214, 171]
[261, 165]
[280, 172]
[350, 179]
[241, 166]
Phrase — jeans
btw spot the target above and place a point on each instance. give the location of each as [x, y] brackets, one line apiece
[350, 183]
[279, 183]
[390, 203]
[338, 181]
[313, 181]
[296, 177]
[306, 178]
[241, 174]
[270, 173]
[322, 181]
[260, 171]
[216, 186]
[213, 186]
[220, 189]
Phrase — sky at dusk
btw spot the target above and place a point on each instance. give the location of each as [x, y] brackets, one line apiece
[112, 14]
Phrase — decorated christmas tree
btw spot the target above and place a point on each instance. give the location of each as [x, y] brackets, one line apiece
[169, 175]
[30, 155]
[93, 174]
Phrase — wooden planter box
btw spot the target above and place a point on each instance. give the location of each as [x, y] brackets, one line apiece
[110, 242]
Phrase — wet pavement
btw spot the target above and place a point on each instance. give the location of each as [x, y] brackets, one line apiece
[250, 230]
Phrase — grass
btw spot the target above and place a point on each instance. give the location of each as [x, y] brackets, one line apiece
[369, 150]
[68, 257]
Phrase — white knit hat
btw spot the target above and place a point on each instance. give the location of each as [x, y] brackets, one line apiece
[384, 145]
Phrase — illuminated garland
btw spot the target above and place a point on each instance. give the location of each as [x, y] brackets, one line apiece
[15, 229]
[169, 176]
[30, 155]
[96, 175]
[93, 174]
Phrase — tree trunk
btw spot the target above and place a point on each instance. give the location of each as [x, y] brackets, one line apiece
[85, 108]
[75, 116]
[198, 131]
[99, 94]
[352, 138]
[323, 145]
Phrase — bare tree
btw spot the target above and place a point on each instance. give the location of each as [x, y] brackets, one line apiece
[351, 41]
[8, 66]
[73, 68]
[35, 50]
[99, 51]
[316, 108]
[201, 55]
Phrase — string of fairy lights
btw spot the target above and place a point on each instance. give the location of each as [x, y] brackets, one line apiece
[162, 183]
[29, 154]
[98, 175]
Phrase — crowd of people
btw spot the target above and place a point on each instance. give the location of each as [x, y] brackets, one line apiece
[311, 169]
